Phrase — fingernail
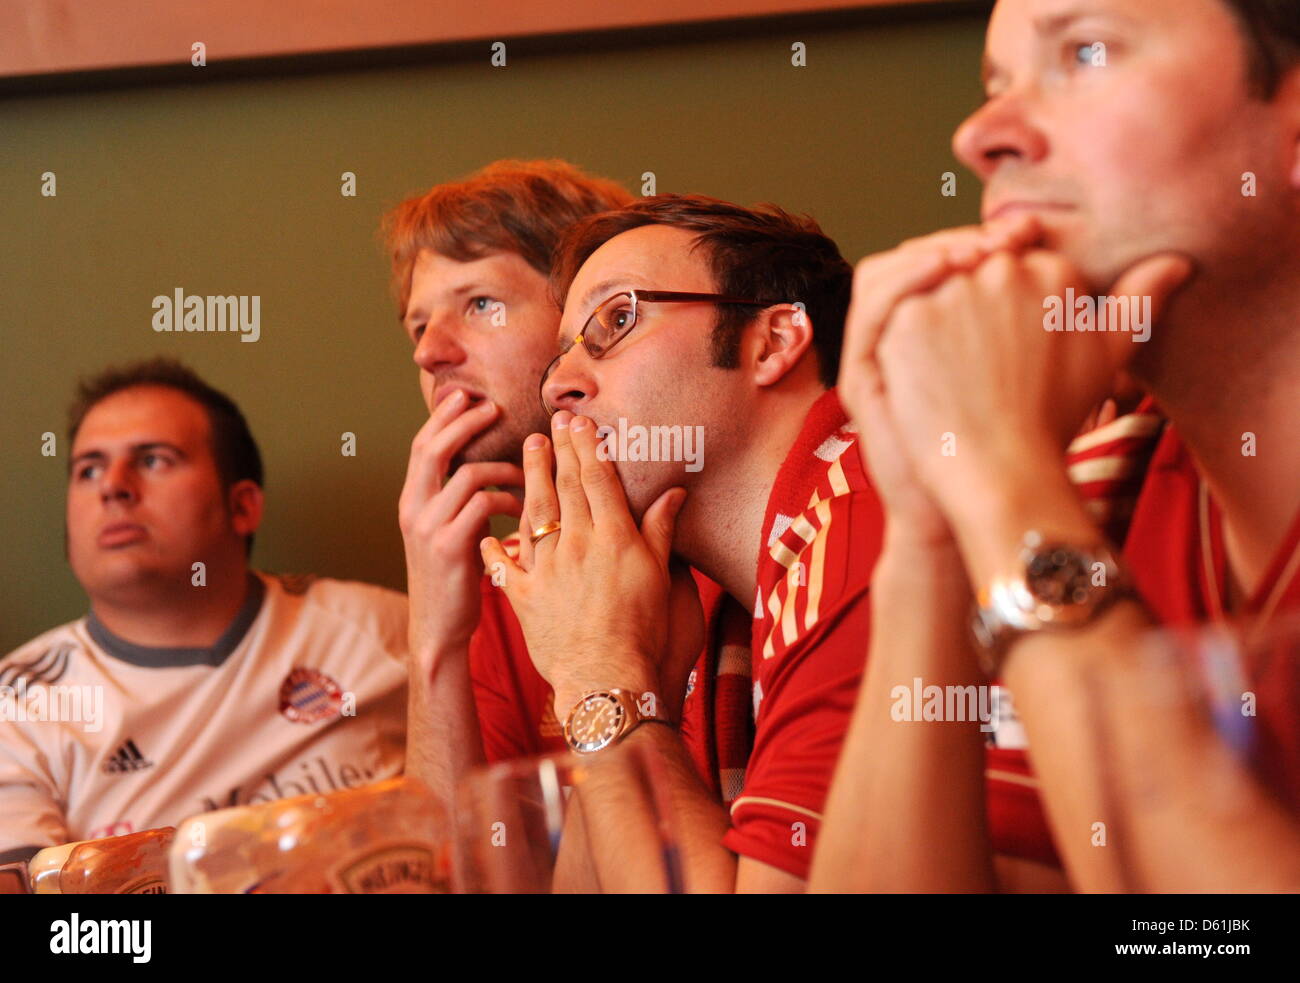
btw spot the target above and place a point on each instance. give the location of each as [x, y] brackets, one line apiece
[535, 442]
[580, 423]
[561, 420]
[456, 398]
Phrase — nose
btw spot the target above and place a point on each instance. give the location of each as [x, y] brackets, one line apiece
[438, 347]
[568, 384]
[1000, 131]
[117, 483]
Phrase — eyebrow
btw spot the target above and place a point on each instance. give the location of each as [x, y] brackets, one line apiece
[416, 313]
[603, 289]
[1053, 23]
[135, 449]
[473, 287]
[1046, 26]
[1050, 24]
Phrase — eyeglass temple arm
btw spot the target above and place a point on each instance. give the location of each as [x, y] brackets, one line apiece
[671, 295]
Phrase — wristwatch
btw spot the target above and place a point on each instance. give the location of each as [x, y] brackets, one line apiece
[1056, 586]
[604, 717]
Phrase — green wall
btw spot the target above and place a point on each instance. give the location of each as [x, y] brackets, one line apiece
[232, 187]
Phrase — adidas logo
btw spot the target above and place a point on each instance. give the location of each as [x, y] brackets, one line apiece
[125, 759]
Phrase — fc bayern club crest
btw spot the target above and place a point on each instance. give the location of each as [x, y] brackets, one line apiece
[308, 695]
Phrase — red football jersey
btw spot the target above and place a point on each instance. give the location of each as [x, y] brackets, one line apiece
[821, 538]
[1173, 548]
[515, 711]
[1176, 553]
[805, 648]
[824, 527]
[1108, 468]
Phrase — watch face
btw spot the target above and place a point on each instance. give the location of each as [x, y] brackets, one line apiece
[594, 723]
[1060, 577]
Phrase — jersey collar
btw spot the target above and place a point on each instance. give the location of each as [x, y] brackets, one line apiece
[151, 657]
[797, 478]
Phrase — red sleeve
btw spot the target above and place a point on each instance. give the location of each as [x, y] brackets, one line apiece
[805, 691]
[515, 712]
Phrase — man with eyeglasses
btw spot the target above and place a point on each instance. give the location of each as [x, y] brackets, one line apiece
[469, 259]
[685, 311]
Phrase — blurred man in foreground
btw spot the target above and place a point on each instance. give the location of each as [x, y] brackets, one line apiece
[1153, 153]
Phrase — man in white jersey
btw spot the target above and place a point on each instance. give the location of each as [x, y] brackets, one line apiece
[194, 682]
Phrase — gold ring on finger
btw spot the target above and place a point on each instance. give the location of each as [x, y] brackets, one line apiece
[541, 532]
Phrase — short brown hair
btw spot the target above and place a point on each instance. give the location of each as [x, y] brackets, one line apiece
[513, 206]
[233, 447]
[1271, 30]
[762, 252]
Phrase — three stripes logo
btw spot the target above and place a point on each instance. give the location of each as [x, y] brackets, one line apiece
[48, 667]
[126, 759]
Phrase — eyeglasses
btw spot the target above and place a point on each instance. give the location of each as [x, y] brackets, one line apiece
[614, 318]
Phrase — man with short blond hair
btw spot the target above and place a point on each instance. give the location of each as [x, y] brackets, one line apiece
[470, 263]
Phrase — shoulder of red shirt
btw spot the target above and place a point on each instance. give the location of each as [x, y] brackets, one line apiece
[822, 532]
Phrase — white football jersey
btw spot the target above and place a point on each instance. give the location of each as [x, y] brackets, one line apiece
[304, 693]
